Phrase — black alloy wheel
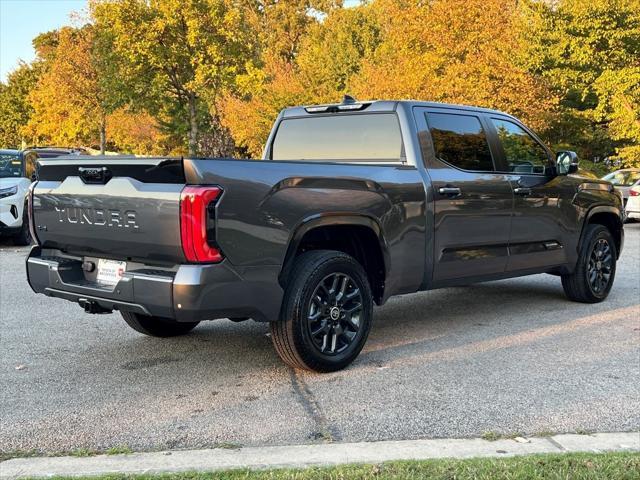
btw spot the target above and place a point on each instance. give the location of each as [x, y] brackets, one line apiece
[595, 270]
[326, 314]
[334, 313]
[600, 266]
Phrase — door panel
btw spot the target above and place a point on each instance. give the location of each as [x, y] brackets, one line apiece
[472, 209]
[536, 229]
[471, 229]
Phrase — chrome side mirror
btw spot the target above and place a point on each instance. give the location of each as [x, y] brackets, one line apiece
[566, 162]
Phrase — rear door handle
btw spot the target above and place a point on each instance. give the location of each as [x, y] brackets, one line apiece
[450, 191]
[522, 191]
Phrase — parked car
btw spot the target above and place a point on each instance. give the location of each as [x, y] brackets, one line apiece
[623, 180]
[14, 185]
[352, 204]
[17, 170]
[633, 203]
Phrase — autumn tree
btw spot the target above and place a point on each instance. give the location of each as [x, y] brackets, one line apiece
[457, 51]
[175, 57]
[71, 101]
[280, 26]
[137, 132]
[326, 57]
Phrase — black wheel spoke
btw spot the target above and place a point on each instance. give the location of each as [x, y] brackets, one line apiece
[353, 322]
[333, 319]
[323, 328]
[600, 266]
[343, 288]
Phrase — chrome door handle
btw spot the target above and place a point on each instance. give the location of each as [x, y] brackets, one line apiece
[522, 191]
[450, 191]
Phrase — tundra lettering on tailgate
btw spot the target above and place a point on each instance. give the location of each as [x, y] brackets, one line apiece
[98, 216]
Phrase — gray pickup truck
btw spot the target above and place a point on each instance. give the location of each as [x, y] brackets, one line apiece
[352, 203]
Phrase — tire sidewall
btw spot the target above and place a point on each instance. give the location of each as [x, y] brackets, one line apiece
[23, 237]
[306, 286]
[598, 233]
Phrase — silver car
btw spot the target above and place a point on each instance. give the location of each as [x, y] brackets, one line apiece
[623, 180]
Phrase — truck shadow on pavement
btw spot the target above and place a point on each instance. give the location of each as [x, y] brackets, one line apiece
[410, 326]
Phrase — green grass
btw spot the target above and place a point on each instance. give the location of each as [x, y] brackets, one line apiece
[582, 466]
[19, 454]
[82, 452]
[78, 452]
[118, 450]
[228, 445]
[491, 436]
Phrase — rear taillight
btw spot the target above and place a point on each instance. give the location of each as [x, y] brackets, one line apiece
[32, 225]
[197, 223]
[634, 193]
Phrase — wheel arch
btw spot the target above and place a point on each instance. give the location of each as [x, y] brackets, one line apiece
[609, 217]
[358, 235]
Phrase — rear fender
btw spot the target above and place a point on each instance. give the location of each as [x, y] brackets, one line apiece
[329, 219]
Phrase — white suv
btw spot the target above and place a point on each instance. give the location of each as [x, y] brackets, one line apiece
[16, 169]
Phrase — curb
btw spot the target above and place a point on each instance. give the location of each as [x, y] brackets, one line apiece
[296, 456]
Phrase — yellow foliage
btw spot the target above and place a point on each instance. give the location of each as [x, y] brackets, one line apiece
[456, 51]
[250, 120]
[67, 100]
[136, 133]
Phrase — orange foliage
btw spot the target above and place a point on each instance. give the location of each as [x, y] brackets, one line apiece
[457, 51]
[135, 133]
[250, 118]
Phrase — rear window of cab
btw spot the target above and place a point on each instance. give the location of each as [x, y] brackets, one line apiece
[367, 138]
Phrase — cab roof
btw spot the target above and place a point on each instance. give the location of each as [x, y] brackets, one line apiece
[376, 106]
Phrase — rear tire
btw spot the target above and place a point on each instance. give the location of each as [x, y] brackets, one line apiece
[326, 314]
[23, 237]
[595, 271]
[157, 326]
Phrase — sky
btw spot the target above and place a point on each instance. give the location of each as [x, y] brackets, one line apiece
[22, 20]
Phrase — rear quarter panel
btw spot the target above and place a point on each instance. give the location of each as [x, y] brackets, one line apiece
[266, 202]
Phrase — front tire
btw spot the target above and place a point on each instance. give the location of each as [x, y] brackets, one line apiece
[593, 276]
[326, 314]
[157, 326]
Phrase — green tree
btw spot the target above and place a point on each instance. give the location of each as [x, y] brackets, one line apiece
[15, 109]
[175, 57]
[590, 53]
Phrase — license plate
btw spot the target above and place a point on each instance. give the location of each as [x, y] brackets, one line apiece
[110, 271]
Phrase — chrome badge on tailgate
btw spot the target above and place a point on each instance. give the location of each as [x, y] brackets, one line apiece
[98, 216]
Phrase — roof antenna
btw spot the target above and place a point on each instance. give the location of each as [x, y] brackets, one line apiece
[348, 100]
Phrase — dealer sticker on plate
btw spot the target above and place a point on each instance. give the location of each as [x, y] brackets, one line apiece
[110, 271]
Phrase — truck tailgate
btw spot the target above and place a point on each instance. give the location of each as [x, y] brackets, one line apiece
[124, 208]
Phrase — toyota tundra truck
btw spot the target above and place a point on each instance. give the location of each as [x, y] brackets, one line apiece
[351, 204]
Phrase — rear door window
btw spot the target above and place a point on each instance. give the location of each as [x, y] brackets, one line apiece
[340, 138]
[460, 141]
[523, 153]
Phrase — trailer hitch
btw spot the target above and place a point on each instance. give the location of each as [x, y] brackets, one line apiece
[91, 306]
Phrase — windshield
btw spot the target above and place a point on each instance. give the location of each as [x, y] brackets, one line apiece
[10, 165]
[623, 178]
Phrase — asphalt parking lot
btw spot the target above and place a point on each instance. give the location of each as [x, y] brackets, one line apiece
[512, 356]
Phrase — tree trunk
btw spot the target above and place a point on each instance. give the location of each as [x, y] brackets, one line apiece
[103, 134]
[193, 123]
